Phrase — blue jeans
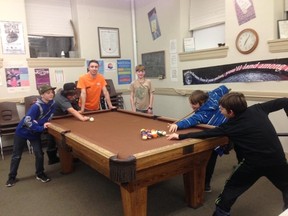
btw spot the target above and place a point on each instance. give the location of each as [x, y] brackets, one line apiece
[18, 147]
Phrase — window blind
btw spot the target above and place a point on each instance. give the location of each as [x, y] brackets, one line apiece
[48, 18]
[206, 13]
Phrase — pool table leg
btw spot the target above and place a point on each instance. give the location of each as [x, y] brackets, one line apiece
[66, 159]
[194, 181]
[134, 201]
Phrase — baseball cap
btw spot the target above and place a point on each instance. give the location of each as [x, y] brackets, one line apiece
[69, 87]
[43, 88]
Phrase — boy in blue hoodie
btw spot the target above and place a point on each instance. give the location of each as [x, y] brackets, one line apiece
[30, 128]
[206, 111]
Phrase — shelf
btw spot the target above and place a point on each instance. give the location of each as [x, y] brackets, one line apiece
[278, 45]
[55, 62]
[213, 53]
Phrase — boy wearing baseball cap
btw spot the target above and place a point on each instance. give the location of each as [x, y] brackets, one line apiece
[30, 128]
[65, 104]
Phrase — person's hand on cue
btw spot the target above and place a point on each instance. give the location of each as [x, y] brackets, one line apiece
[172, 136]
[172, 127]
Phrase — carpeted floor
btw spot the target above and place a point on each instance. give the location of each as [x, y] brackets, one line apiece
[87, 193]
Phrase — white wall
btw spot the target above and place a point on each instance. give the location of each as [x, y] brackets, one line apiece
[173, 18]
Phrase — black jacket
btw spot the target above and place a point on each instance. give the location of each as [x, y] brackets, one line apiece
[252, 133]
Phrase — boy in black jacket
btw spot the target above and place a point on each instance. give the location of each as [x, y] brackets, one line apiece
[256, 140]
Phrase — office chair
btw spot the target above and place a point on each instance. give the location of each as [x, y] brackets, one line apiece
[9, 119]
[115, 97]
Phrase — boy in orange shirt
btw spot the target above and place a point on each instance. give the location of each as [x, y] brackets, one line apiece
[92, 84]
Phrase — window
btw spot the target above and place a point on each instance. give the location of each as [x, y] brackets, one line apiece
[209, 37]
[49, 29]
[207, 23]
[47, 46]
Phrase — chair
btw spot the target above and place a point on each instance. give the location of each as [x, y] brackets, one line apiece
[28, 101]
[9, 119]
[116, 98]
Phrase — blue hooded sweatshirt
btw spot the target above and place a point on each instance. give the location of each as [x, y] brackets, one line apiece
[208, 113]
[32, 125]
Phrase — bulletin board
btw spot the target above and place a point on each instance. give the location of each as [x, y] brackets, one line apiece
[154, 63]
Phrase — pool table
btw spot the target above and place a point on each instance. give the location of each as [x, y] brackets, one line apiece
[112, 145]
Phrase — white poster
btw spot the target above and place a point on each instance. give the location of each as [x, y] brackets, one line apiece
[12, 37]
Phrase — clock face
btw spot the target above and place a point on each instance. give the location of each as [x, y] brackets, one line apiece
[247, 41]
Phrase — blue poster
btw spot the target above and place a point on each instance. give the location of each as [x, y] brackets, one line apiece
[124, 72]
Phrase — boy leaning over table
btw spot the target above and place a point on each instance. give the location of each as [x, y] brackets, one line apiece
[255, 137]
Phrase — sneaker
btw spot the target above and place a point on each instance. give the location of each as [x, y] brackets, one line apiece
[208, 188]
[10, 182]
[43, 178]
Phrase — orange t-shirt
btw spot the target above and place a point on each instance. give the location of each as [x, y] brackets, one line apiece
[93, 88]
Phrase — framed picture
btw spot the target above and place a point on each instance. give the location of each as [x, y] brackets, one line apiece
[109, 42]
[283, 29]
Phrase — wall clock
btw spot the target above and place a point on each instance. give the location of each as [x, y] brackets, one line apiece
[247, 41]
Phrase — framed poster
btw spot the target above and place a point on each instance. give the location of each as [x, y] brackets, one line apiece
[109, 42]
[282, 29]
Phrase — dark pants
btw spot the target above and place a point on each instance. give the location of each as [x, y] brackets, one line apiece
[210, 167]
[51, 143]
[18, 147]
[51, 149]
[244, 176]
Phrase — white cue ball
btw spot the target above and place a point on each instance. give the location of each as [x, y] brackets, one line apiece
[91, 119]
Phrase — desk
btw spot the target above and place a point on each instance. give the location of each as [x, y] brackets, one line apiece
[112, 145]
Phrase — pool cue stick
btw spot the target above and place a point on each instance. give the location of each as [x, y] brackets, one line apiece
[184, 117]
[205, 126]
[282, 134]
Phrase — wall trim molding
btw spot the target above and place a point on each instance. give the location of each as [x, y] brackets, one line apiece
[250, 95]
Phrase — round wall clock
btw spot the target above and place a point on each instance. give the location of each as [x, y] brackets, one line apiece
[247, 41]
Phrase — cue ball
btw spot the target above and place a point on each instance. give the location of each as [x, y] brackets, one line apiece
[91, 119]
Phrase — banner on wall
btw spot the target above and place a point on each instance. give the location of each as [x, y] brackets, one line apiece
[255, 71]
